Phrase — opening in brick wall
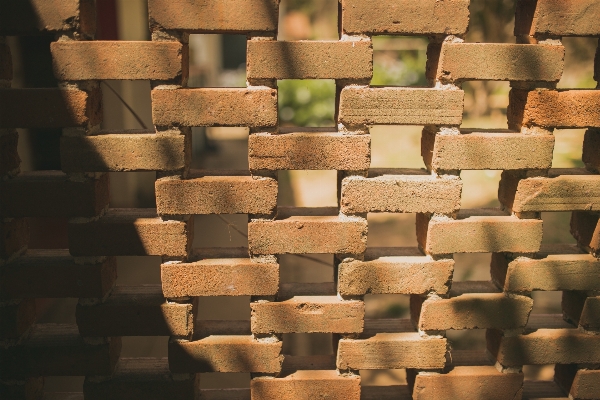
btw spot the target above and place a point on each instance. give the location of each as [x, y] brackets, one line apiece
[54, 384]
[379, 306]
[308, 20]
[467, 339]
[132, 189]
[305, 268]
[480, 189]
[546, 302]
[307, 188]
[485, 104]
[472, 267]
[306, 102]
[138, 270]
[217, 61]
[391, 230]
[396, 146]
[307, 344]
[220, 230]
[224, 308]
[144, 346]
[220, 148]
[399, 61]
[579, 63]
[383, 377]
[568, 148]
[219, 380]
[491, 21]
[557, 227]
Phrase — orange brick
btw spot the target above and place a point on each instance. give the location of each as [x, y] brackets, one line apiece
[586, 230]
[591, 149]
[17, 317]
[89, 60]
[255, 107]
[557, 18]
[307, 385]
[52, 194]
[9, 157]
[581, 310]
[14, 236]
[208, 16]
[579, 383]
[271, 59]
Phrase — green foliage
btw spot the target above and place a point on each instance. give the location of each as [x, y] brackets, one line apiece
[308, 102]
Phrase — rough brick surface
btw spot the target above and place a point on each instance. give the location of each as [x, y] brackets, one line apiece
[583, 384]
[482, 149]
[478, 231]
[586, 230]
[14, 236]
[52, 194]
[307, 385]
[270, 59]
[581, 310]
[557, 18]
[578, 108]
[228, 353]
[17, 317]
[308, 314]
[400, 191]
[207, 16]
[309, 150]
[392, 351]
[133, 232]
[256, 107]
[591, 149]
[206, 194]
[400, 106]
[406, 17]
[124, 152]
[9, 157]
[79, 61]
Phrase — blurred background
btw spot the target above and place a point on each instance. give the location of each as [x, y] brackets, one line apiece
[219, 61]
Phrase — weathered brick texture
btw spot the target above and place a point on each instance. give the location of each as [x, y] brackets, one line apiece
[557, 18]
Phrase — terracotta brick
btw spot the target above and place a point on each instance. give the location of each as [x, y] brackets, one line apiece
[135, 311]
[132, 232]
[55, 274]
[17, 317]
[496, 61]
[9, 157]
[52, 194]
[586, 230]
[220, 277]
[580, 384]
[14, 236]
[552, 269]
[557, 18]
[394, 271]
[227, 353]
[392, 351]
[124, 152]
[309, 150]
[255, 107]
[307, 385]
[563, 190]
[400, 190]
[581, 310]
[88, 60]
[6, 69]
[141, 378]
[308, 234]
[308, 314]
[49, 108]
[207, 16]
[478, 231]
[473, 383]
[43, 16]
[578, 108]
[58, 350]
[406, 17]
[591, 149]
[22, 389]
[486, 149]
[544, 346]
[274, 59]
[400, 106]
[205, 193]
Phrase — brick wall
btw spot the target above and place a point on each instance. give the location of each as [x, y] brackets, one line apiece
[86, 270]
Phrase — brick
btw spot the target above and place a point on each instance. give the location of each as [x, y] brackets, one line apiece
[591, 149]
[22, 389]
[400, 190]
[255, 107]
[9, 156]
[141, 378]
[392, 351]
[475, 311]
[308, 314]
[496, 61]
[58, 350]
[400, 106]
[49, 108]
[42, 16]
[478, 231]
[585, 384]
[578, 108]
[52, 194]
[394, 271]
[131, 232]
[227, 353]
[307, 385]
[89, 60]
[206, 16]
[14, 236]
[557, 18]
[308, 234]
[135, 311]
[586, 230]
[563, 190]
[581, 310]
[206, 192]
[220, 277]
[406, 17]
[473, 383]
[274, 59]
[125, 152]
[309, 150]
[486, 149]
[6, 68]
[552, 269]
[55, 274]
[17, 317]
[544, 346]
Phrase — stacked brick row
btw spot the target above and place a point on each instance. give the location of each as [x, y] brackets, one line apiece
[98, 233]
